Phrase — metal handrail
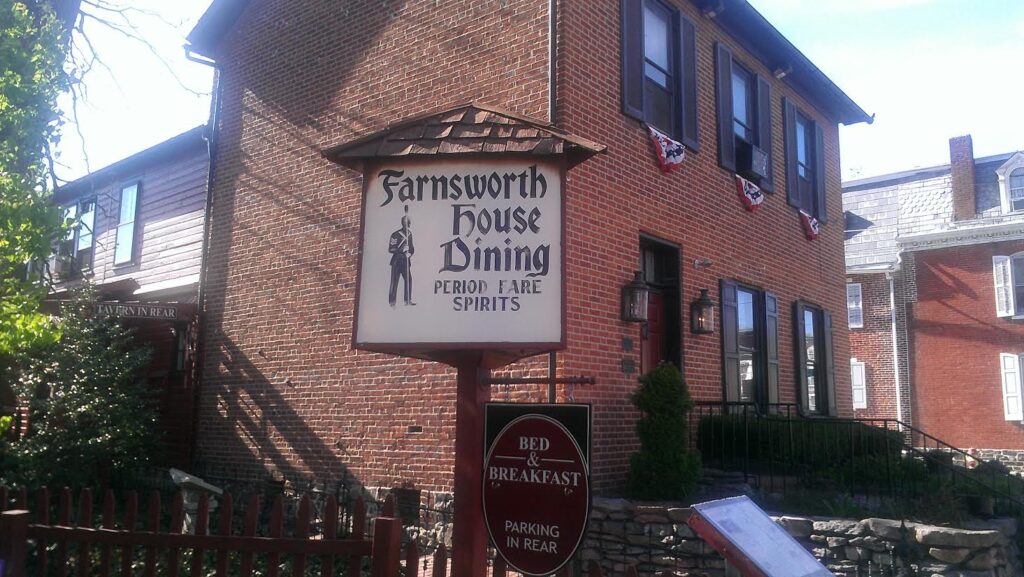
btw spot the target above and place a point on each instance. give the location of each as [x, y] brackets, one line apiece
[732, 445]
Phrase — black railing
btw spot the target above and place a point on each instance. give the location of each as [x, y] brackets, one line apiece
[874, 461]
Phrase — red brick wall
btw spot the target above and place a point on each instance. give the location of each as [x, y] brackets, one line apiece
[284, 394]
[872, 345]
[956, 346]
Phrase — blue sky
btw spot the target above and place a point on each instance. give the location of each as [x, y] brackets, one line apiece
[928, 69]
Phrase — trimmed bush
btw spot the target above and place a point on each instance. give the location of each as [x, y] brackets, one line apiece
[663, 469]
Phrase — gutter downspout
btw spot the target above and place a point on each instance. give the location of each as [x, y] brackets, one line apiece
[212, 138]
[895, 347]
[552, 80]
[552, 56]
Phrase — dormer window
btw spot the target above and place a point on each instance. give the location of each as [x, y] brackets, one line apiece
[1016, 186]
[1011, 184]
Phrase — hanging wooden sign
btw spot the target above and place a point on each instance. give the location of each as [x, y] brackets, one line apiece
[536, 483]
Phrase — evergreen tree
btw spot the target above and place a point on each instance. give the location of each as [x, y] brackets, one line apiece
[663, 469]
[92, 420]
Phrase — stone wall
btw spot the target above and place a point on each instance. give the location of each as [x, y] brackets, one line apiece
[656, 538]
[1012, 458]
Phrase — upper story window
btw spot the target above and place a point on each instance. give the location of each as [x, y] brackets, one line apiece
[805, 162]
[75, 250]
[1017, 190]
[124, 243]
[744, 119]
[854, 305]
[750, 350]
[815, 365]
[1011, 184]
[1008, 273]
[659, 68]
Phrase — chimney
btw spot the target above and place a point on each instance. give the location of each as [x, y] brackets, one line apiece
[961, 165]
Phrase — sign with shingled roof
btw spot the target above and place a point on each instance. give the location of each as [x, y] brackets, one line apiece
[462, 235]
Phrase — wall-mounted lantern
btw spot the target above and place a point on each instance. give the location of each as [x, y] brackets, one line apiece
[702, 314]
[634, 299]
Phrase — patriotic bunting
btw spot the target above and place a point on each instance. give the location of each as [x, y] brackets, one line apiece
[670, 153]
[750, 193]
[810, 225]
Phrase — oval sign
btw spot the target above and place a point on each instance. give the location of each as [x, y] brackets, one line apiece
[536, 494]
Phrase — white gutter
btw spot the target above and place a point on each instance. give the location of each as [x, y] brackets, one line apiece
[895, 348]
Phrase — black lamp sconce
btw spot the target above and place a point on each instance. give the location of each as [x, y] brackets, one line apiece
[634, 299]
[702, 314]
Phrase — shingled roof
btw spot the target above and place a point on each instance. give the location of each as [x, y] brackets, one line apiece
[472, 128]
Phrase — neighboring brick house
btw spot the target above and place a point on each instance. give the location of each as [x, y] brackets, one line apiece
[139, 240]
[935, 282]
[284, 394]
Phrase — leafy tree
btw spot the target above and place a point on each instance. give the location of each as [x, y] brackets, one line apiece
[92, 418]
[32, 54]
[663, 468]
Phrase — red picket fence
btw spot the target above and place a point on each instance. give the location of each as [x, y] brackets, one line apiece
[78, 543]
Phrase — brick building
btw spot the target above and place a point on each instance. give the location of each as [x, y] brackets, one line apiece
[285, 395]
[934, 282]
[138, 239]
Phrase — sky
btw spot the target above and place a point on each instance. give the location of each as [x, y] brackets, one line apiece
[928, 70]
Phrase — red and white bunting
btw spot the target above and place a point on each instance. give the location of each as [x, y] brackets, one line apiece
[750, 193]
[810, 225]
[670, 153]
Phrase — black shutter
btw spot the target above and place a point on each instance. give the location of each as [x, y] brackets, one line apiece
[789, 128]
[830, 367]
[764, 127]
[730, 343]
[771, 347]
[723, 95]
[688, 82]
[633, 58]
[801, 355]
[819, 173]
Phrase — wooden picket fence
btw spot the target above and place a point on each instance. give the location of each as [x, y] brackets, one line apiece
[61, 544]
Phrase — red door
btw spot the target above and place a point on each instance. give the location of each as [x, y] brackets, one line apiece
[652, 341]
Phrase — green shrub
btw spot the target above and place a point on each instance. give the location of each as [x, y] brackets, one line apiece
[92, 417]
[663, 468]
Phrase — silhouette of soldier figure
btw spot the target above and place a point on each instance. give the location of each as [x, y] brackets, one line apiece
[401, 249]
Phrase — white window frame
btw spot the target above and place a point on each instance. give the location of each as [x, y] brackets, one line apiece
[1011, 384]
[858, 321]
[127, 228]
[1003, 172]
[1005, 286]
[855, 367]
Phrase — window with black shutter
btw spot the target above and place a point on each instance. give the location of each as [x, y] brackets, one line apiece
[805, 162]
[659, 68]
[744, 119]
[750, 351]
[814, 358]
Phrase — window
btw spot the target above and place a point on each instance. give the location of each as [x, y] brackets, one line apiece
[1008, 273]
[815, 369]
[659, 68]
[859, 383]
[1011, 184]
[74, 252]
[744, 119]
[1017, 190]
[805, 162]
[124, 244]
[1013, 399]
[854, 306]
[750, 351]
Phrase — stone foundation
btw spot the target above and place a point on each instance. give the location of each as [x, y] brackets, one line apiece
[656, 538]
[1012, 458]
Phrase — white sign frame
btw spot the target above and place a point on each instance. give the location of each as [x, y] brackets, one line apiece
[529, 323]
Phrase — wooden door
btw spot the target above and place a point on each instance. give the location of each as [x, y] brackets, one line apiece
[652, 342]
